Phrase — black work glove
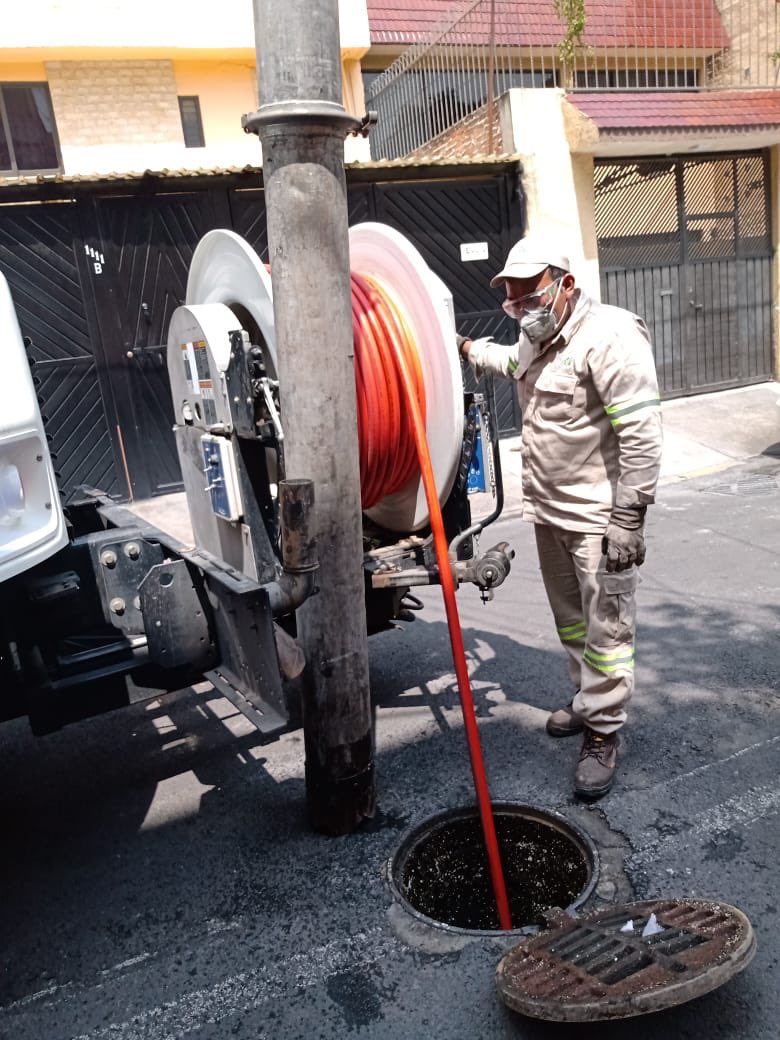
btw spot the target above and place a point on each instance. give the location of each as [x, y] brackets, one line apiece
[623, 543]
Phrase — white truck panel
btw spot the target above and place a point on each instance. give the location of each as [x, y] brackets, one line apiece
[32, 524]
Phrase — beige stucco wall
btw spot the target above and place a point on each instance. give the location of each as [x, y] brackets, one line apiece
[558, 185]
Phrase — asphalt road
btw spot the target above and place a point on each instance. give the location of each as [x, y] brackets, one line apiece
[159, 879]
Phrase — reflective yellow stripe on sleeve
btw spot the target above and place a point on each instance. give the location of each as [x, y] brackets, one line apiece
[616, 413]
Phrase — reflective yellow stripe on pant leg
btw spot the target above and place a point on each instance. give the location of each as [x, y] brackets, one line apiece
[613, 661]
[571, 633]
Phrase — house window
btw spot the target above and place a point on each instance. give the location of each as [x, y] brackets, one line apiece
[28, 139]
[191, 123]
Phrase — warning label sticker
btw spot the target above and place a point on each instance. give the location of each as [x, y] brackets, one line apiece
[196, 369]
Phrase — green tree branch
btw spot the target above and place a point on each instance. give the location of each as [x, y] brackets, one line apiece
[572, 13]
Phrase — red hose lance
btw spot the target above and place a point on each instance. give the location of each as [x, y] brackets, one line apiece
[385, 356]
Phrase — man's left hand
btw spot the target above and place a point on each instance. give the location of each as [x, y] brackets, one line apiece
[623, 543]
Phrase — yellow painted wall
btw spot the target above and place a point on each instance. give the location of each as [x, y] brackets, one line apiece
[227, 90]
[22, 72]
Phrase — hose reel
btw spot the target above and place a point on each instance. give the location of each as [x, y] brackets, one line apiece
[388, 271]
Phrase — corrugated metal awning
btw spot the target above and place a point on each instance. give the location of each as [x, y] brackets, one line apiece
[115, 176]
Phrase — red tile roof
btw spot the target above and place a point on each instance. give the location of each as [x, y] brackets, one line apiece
[609, 23]
[654, 110]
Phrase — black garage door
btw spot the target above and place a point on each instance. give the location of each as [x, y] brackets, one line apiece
[95, 279]
[43, 258]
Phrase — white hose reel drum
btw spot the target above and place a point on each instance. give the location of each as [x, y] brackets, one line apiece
[225, 269]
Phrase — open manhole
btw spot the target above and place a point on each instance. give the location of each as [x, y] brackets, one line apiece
[441, 870]
[627, 960]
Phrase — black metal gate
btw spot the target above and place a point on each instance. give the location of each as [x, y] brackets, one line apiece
[45, 261]
[686, 244]
[146, 245]
[97, 275]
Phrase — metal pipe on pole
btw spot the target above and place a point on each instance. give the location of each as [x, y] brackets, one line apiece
[302, 125]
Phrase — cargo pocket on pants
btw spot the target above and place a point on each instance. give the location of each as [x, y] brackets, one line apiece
[616, 609]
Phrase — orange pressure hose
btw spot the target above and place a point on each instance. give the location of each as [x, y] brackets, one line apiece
[387, 449]
[385, 354]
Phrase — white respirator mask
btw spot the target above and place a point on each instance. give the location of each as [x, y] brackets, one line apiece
[541, 323]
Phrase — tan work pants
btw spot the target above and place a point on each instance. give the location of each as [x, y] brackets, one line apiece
[595, 615]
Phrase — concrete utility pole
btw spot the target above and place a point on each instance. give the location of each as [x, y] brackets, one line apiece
[302, 126]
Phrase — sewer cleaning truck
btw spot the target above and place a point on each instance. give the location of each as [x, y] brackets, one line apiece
[101, 608]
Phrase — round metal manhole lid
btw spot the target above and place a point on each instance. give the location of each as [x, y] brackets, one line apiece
[627, 960]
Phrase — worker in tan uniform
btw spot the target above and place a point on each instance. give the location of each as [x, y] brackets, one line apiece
[591, 453]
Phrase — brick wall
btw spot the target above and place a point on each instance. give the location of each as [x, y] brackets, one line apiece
[114, 102]
[468, 139]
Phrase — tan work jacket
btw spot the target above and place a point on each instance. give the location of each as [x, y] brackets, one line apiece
[591, 434]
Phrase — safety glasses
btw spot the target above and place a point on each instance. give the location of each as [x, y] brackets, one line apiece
[517, 308]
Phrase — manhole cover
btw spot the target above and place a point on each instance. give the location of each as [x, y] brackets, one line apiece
[441, 869]
[602, 966]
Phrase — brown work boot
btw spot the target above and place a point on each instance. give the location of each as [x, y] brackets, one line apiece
[565, 722]
[596, 767]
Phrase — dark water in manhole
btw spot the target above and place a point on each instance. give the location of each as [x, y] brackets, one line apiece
[444, 874]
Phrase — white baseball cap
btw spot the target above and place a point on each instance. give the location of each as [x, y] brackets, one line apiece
[528, 258]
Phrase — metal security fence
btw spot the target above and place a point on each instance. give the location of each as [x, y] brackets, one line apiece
[485, 47]
[686, 244]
